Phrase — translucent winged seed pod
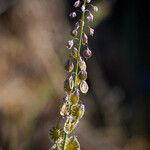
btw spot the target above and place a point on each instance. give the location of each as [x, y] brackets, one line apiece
[70, 125]
[87, 53]
[74, 98]
[64, 111]
[90, 31]
[72, 144]
[77, 3]
[84, 87]
[82, 63]
[55, 133]
[89, 17]
[73, 14]
[69, 84]
[74, 52]
[78, 111]
[69, 66]
[84, 39]
[82, 75]
[70, 44]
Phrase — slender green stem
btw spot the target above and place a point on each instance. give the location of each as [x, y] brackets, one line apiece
[77, 65]
[80, 43]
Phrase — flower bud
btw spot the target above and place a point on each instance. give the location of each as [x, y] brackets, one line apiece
[91, 31]
[95, 8]
[83, 8]
[77, 3]
[87, 53]
[89, 17]
[82, 75]
[69, 84]
[84, 39]
[73, 14]
[74, 97]
[74, 52]
[70, 44]
[88, 1]
[69, 65]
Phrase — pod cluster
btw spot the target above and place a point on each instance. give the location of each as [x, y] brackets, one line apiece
[72, 109]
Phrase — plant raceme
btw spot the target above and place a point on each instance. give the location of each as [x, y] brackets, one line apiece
[75, 83]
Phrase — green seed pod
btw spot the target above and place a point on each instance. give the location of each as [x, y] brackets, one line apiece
[74, 52]
[78, 111]
[82, 75]
[74, 97]
[69, 65]
[70, 125]
[72, 144]
[64, 111]
[55, 133]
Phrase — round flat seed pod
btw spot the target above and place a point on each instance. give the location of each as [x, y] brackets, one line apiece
[84, 87]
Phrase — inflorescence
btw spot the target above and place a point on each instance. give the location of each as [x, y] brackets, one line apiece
[72, 109]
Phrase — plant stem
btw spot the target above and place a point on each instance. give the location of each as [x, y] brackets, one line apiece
[80, 43]
[77, 65]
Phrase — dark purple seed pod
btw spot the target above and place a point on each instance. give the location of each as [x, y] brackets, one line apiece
[82, 75]
[70, 44]
[74, 52]
[69, 65]
[77, 3]
[87, 53]
[73, 14]
[69, 84]
[90, 31]
[74, 32]
[89, 17]
[84, 39]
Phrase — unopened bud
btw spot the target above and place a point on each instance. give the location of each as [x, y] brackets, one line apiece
[77, 3]
[69, 65]
[74, 52]
[87, 53]
[70, 43]
[84, 39]
[73, 14]
[89, 17]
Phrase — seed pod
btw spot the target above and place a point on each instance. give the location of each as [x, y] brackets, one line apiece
[73, 14]
[88, 1]
[87, 53]
[69, 65]
[74, 52]
[82, 75]
[72, 144]
[74, 32]
[64, 111]
[82, 64]
[69, 84]
[84, 39]
[77, 3]
[55, 133]
[74, 97]
[89, 17]
[70, 44]
[91, 31]
[84, 87]
[70, 125]
[78, 111]
[95, 8]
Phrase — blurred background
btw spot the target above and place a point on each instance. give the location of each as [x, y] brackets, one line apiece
[33, 34]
